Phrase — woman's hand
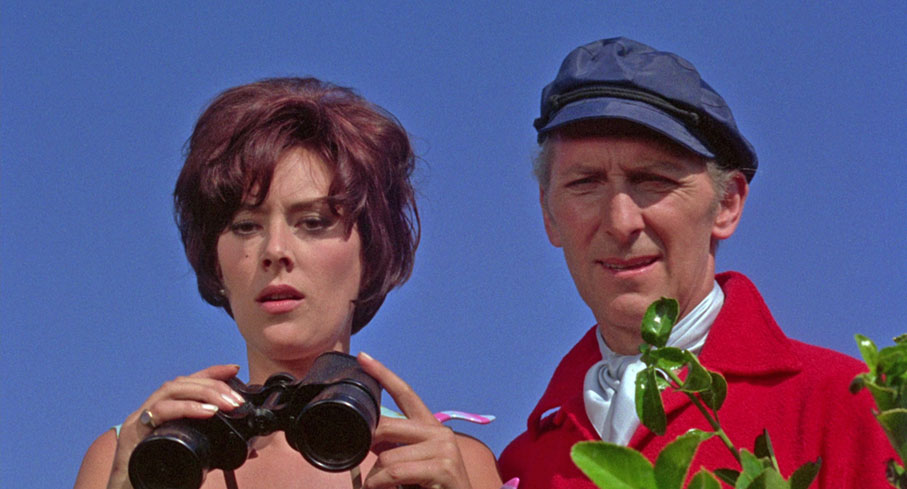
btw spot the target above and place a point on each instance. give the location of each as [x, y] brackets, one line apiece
[420, 450]
[199, 395]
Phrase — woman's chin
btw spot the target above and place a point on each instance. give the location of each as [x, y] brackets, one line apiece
[295, 348]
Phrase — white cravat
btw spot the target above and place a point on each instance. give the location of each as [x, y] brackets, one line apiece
[609, 390]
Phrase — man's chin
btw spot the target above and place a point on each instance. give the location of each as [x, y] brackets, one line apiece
[628, 309]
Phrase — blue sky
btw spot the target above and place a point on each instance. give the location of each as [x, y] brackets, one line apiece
[99, 306]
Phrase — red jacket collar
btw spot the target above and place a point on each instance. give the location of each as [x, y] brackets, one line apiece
[743, 341]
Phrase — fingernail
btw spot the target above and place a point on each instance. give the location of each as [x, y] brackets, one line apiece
[239, 398]
[210, 407]
[234, 399]
[235, 365]
[230, 400]
[366, 355]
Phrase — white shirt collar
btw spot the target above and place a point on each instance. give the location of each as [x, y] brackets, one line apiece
[609, 388]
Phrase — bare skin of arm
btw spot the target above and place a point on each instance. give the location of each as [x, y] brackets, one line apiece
[195, 396]
[95, 469]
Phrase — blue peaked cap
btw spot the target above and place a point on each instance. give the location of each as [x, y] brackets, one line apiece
[620, 78]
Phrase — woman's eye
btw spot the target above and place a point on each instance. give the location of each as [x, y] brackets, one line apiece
[244, 228]
[315, 223]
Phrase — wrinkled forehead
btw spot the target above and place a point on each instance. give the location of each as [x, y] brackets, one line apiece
[603, 134]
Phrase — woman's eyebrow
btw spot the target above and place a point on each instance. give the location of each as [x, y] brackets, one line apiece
[310, 204]
[301, 205]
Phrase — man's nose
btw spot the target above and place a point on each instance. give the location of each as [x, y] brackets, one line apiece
[277, 251]
[622, 217]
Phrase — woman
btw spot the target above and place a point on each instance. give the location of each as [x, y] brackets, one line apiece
[297, 213]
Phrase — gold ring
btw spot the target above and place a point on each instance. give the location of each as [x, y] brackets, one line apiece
[147, 419]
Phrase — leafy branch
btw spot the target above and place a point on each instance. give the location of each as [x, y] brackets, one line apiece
[615, 466]
[887, 382]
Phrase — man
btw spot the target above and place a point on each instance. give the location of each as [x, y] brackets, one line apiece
[642, 172]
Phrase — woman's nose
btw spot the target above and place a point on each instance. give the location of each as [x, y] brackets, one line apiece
[277, 251]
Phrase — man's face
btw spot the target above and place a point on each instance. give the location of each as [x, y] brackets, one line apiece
[636, 216]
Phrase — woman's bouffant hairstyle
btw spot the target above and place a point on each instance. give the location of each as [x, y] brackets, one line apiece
[237, 143]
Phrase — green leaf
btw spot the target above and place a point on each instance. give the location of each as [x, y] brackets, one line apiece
[649, 407]
[763, 449]
[869, 352]
[858, 383]
[662, 381]
[613, 466]
[714, 396]
[804, 476]
[668, 358]
[886, 397]
[673, 462]
[894, 422]
[893, 364]
[703, 480]
[658, 321]
[698, 378]
[728, 476]
[896, 474]
[901, 338]
[642, 385]
[769, 479]
[752, 468]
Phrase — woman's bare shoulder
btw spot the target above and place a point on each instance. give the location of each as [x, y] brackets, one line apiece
[97, 463]
[480, 463]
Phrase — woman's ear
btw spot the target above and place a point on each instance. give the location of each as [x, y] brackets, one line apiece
[730, 207]
[222, 289]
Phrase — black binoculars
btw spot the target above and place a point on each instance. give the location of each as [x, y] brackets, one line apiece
[329, 417]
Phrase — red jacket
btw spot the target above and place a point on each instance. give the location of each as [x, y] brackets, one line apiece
[797, 391]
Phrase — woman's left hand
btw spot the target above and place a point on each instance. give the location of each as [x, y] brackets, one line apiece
[420, 450]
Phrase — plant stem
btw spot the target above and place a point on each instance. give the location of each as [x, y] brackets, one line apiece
[713, 421]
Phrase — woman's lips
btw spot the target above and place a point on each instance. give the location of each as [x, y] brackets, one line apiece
[279, 299]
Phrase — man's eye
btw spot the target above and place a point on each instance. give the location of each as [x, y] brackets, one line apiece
[580, 182]
[654, 179]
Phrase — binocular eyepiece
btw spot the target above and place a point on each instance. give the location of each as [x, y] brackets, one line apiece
[329, 417]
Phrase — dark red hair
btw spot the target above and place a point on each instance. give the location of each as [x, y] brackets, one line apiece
[237, 143]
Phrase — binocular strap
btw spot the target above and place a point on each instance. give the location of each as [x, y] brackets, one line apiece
[355, 475]
[230, 479]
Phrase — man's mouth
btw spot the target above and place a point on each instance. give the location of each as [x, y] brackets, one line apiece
[631, 264]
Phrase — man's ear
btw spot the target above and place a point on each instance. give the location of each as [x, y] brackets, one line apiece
[730, 207]
[554, 235]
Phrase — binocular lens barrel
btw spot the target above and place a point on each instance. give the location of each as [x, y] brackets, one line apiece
[173, 457]
[328, 417]
[334, 431]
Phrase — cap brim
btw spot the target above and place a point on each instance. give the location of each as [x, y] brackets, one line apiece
[633, 111]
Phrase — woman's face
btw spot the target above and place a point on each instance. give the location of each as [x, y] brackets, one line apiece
[289, 269]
